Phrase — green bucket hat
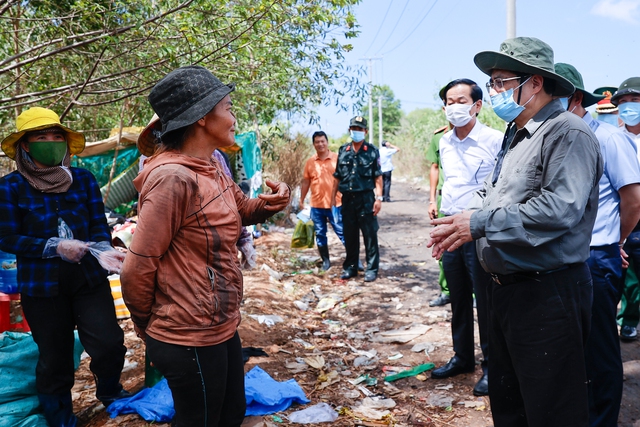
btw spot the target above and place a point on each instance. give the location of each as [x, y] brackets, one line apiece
[629, 86]
[570, 73]
[524, 55]
[604, 89]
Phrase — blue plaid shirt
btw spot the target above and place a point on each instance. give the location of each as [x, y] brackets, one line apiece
[29, 217]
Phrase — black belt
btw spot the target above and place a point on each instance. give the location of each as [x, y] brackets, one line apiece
[509, 279]
[439, 192]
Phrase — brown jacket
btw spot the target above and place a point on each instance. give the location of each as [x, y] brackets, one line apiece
[181, 279]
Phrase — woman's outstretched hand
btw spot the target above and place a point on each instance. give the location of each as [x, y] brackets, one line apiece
[279, 198]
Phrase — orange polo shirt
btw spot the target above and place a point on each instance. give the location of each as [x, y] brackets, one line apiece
[320, 176]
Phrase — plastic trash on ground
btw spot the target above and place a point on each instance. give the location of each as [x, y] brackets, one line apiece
[320, 413]
[410, 372]
[154, 404]
[275, 274]
[267, 319]
[401, 336]
[267, 396]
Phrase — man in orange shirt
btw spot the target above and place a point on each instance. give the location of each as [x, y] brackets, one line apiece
[318, 175]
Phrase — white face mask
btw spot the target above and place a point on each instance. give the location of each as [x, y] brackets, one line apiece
[458, 114]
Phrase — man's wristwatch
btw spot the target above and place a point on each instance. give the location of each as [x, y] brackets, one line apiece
[379, 198]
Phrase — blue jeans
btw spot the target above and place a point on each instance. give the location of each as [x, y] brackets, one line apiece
[320, 217]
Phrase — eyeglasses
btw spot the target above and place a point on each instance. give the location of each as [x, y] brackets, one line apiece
[498, 83]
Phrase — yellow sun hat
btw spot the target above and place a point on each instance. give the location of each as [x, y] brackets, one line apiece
[37, 118]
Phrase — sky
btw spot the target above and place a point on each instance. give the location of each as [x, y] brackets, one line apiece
[424, 44]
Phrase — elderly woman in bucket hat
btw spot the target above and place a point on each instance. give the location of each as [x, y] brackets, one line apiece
[532, 223]
[49, 212]
[181, 279]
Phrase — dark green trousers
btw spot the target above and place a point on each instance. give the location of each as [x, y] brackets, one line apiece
[629, 314]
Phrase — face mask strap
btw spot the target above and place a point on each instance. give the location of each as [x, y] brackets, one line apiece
[520, 92]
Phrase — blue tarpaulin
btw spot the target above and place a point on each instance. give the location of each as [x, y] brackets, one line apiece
[152, 404]
[267, 396]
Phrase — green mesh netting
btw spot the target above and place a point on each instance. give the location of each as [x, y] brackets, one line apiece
[100, 164]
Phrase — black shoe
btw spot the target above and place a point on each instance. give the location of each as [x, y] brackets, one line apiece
[451, 369]
[628, 333]
[348, 274]
[360, 266]
[109, 389]
[482, 386]
[108, 400]
[370, 276]
[443, 299]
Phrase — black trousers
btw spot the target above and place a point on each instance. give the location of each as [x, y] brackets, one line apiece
[604, 361]
[357, 215]
[207, 383]
[386, 186]
[537, 334]
[52, 321]
[465, 277]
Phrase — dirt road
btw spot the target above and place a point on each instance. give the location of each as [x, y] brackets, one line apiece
[348, 324]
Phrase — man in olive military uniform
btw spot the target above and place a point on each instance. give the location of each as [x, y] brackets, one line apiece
[359, 179]
[436, 179]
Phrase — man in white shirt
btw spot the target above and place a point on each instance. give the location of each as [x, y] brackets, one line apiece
[467, 154]
[386, 151]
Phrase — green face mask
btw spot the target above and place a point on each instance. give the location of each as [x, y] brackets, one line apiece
[49, 153]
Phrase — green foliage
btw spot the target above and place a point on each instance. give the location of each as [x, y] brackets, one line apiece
[284, 154]
[391, 111]
[98, 59]
[489, 118]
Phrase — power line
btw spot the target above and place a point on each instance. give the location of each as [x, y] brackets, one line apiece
[395, 26]
[381, 24]
[438, 25]
[414, 29]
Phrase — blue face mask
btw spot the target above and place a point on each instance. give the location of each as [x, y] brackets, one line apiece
[506, 107]
[612, 119]
[565, 103]
[629, 113]
[357, 135]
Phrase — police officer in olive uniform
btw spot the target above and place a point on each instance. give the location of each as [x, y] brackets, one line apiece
[359, 179]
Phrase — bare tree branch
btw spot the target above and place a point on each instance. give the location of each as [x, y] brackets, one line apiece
[110, 33]
[75, 98]
[6, 4]
[49, 43]
[111, 101]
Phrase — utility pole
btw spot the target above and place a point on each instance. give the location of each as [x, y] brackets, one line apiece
[380, 121]
[370, 60]
[511, 19]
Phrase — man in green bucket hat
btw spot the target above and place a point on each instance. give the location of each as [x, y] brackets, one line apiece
[627, 100]
[532, 224]
[618, 213]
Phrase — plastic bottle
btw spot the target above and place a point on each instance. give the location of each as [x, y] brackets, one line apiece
[151, 374]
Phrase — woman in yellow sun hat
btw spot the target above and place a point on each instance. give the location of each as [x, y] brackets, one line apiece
[49, 212]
